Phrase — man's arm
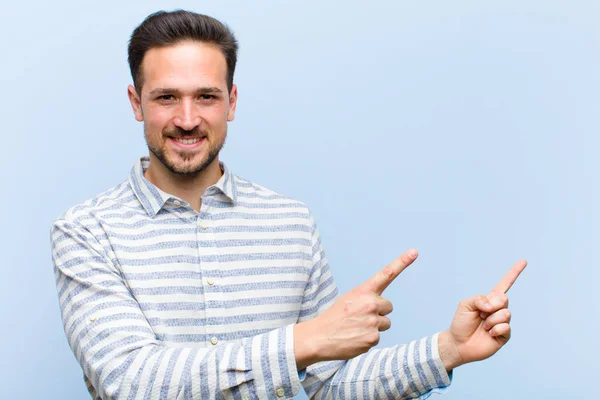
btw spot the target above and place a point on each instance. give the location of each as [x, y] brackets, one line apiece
[120, 354]
[345, 329]
[336, 335]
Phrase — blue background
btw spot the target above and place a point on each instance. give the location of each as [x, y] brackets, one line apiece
[466, 129]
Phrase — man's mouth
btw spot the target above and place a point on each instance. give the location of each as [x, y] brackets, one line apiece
[187, 141]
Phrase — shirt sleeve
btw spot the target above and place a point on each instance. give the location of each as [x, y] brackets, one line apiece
[120, 354]
[405, 371]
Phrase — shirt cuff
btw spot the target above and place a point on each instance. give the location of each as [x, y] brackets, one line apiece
[437, 380]
[277, 363]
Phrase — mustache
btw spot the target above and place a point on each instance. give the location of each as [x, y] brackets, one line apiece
[182, 133]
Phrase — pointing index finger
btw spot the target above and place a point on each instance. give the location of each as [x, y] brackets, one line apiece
[511, 276]
[383, 278]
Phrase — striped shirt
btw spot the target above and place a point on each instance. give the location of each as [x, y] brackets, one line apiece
[159, 301]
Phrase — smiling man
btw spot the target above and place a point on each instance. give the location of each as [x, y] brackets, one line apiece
[188, 281]
[184, 94]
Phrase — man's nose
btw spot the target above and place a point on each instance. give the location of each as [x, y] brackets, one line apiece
[187, 116]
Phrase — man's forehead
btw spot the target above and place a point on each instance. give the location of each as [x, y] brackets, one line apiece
[185, 63]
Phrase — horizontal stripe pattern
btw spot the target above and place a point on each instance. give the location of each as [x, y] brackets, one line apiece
[159, 301]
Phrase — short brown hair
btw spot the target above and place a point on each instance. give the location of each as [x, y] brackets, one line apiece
[164, 28]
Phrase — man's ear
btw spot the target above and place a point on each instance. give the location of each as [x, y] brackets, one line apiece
[233, 96]
[136, 103]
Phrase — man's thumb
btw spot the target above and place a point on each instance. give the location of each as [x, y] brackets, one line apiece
[476, 303]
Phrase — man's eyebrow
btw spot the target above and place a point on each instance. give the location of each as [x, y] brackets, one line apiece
[200, 90]
[208, 90]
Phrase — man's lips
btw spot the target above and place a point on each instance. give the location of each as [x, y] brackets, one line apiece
[187, 143]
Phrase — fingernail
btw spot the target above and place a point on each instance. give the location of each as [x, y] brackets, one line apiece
[412, 253]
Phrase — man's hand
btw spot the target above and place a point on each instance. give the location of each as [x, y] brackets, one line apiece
[481, 325]
[352, 324]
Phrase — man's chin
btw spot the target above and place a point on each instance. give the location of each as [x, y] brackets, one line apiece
[178, 164]
[187, 168]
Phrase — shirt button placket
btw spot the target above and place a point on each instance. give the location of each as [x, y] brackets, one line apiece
[200, 237]
[206, 234]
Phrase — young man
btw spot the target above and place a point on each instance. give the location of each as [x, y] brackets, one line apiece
[187, 281]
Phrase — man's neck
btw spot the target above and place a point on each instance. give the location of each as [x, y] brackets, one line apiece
[188, 188]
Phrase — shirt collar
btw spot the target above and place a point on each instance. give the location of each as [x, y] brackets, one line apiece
[153, 199]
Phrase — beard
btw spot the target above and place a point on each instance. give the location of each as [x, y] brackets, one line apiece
[189, 164]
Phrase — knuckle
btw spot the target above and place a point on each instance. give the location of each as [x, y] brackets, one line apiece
[371, 306]
[507, 314]
[372, 321]
[388, 272]
[373, 339]
[477, 300]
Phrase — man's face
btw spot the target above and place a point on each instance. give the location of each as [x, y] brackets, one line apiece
[184, 104]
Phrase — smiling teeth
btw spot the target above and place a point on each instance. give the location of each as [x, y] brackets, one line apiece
[187, 141]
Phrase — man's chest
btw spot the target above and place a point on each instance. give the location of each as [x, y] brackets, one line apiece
[206, 282]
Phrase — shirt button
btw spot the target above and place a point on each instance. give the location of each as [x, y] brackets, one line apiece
[92, 318]
[214, 340]
[177, 202]
[210, 282]
[280, 392]
[204, 227]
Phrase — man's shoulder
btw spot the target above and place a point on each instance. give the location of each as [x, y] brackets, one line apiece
[252, 194]
[111, 199]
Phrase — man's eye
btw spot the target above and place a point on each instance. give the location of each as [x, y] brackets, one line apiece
[166, 97]
[207, 97]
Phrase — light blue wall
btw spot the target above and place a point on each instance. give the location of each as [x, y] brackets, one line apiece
[467, 129]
